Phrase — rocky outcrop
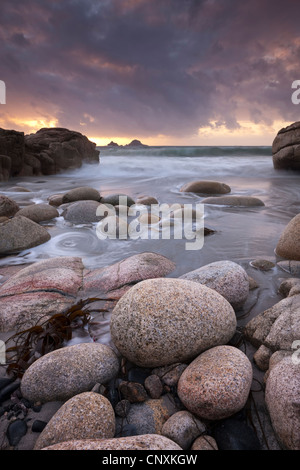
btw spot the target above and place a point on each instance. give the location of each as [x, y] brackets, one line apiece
[48, 151]
[5, 167]
[286, 148]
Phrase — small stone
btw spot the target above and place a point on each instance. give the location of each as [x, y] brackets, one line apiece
[204, 442]
[122, 408]
[170, 375]
[15, 431]
[253, 284]
[291, 267]
[288, 286]
[262, 264]
[148, 417]
[133, 392]
[183, 428]
[154, 386]
[262, 357]
[38, 425]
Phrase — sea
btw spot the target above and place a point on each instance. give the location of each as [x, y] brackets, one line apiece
[241, 234]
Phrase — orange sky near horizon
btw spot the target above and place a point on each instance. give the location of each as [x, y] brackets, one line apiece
[248, 134]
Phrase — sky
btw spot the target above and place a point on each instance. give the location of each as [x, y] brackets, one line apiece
[166, 72]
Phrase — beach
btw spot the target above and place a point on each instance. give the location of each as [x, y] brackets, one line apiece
[245, 235]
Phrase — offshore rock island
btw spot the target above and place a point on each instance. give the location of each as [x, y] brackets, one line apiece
[134, 144]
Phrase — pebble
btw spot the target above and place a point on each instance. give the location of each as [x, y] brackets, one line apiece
[154, 386]
[262, 264]
[170, 375]
[204, 442]
[183, 428]
[133, 392]
[15, 431]
[122, 408]
[38, 425]
[147, 417]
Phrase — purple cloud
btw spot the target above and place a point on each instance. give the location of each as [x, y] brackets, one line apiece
[125, 67]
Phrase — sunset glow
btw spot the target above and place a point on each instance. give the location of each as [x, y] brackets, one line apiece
[166, 73]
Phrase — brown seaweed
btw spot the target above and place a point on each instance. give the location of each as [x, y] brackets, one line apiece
[53, 333]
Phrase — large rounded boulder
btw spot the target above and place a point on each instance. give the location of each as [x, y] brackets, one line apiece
[226, 277]
[163, 321]
[217, 383]
[68, 371]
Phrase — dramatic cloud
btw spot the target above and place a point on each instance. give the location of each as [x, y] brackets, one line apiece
[145, 68]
